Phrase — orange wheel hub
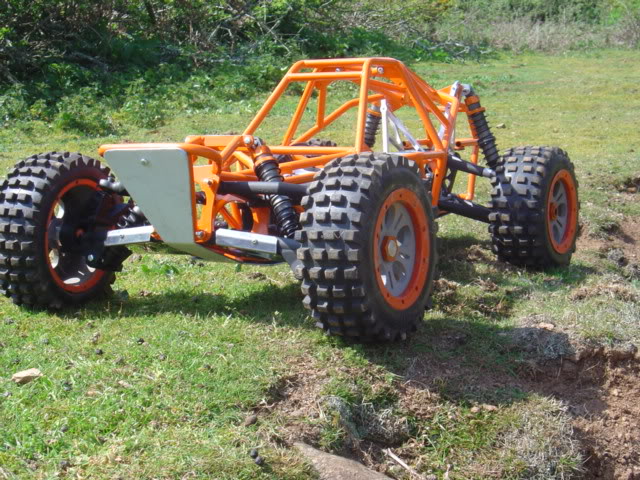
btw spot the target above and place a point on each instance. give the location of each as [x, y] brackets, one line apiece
[562, 211]
[401, 248]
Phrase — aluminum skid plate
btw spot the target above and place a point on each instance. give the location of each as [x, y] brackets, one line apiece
[159, 180]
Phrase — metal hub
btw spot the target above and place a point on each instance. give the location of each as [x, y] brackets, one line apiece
[390, 248]
[558, 211]
[397, 246]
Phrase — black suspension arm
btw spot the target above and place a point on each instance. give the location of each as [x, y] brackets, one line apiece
[456, 163]
[248, 189]
[466, 208]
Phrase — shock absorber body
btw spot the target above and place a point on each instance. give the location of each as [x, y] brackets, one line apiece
[267, 170]
[371, 125]
[486, 140]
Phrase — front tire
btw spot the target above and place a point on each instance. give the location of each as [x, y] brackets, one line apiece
[367, 247]
[43, 196]
[535, 206]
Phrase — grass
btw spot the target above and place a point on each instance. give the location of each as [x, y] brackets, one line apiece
[157, 381]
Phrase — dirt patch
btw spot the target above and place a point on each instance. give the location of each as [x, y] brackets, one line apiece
[616, 291]
[611, 436]
[596, 390]
[600, 388]
[624, 239]
[602, 393]
[294, 402]
[630, 184]
[444, 293]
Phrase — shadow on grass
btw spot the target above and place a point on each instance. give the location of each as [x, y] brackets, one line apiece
[267, 304]
[467, 356]
[461, 257]
[470, 361]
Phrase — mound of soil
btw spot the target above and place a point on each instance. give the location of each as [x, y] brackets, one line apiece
[599, 387]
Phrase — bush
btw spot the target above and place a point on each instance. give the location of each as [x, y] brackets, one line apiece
[84, 113]
[138, 60]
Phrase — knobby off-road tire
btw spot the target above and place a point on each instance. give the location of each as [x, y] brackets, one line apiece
[535, 206]
[368, 247]
[42, 193]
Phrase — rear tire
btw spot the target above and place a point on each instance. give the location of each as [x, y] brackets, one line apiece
[41, 194]
[535, 206]
[367, 247]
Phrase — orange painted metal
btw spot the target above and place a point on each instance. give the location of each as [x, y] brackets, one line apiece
[564, 178]
[192, 149]
[230, 159]
[409, 200]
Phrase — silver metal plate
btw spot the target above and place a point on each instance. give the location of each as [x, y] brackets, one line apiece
[254, 242]
[126, 236]
[159, 181]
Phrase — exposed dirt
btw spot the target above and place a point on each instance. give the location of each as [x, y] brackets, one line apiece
[621, 247]
[298, 404]
[607, 423]
[294, 401]
[630, 184]
[600, 386]
[620, 292]
[625, 239]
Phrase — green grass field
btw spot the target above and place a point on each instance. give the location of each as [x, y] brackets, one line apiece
[157, 381]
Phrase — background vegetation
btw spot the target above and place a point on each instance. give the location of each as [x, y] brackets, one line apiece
[160, 381]
[190, 365]
[98, 67]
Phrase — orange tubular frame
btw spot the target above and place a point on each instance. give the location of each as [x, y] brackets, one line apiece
[379, 79]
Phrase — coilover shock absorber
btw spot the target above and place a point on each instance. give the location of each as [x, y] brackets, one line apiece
[486, 140]
[267, 169]
[371, 125]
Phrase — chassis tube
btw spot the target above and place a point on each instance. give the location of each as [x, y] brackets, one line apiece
[263, 188]
[466, 208]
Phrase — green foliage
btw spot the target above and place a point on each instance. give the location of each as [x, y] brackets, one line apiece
[539, 10]
[163, 268]
[141, 61]
[84, 113]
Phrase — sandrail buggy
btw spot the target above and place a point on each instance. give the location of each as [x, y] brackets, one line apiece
[355, 222]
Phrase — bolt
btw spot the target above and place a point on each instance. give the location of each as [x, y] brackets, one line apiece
[91, 258]
[380, 70]
[200, 234]
[392, 249]
[144, 161]
[247, 139]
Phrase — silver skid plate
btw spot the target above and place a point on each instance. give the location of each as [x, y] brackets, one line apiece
[159, 181]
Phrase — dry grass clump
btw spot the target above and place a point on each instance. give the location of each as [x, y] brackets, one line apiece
[540, 443]
[614, 291]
